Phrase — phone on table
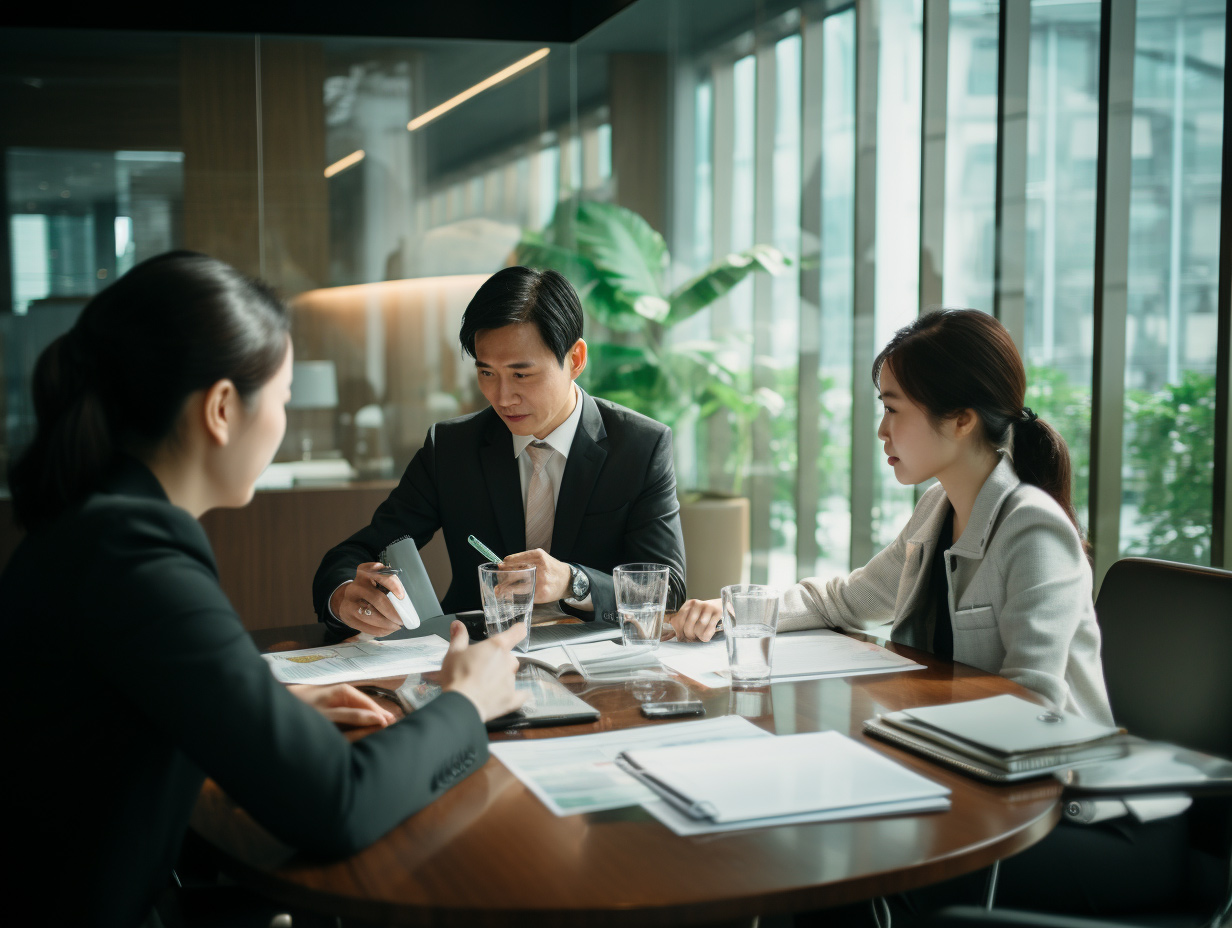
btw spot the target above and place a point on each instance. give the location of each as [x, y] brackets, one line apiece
[671, 710]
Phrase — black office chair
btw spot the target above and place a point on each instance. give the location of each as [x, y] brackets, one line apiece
[1167, 644]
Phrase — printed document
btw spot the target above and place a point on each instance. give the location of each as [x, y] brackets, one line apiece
[579, 773]
[818, 652]
[361, 660]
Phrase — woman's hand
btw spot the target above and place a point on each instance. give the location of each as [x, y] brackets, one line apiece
[343, 705]
[363, 605]
[696, 620]
[483, 673]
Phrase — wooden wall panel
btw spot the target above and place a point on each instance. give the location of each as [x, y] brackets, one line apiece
[269, 551]
[218, 113]
[638, 102]
[293, 157]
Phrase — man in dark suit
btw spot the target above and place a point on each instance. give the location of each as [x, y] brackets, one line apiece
[548, 476]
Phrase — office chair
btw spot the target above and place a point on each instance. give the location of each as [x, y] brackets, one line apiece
[1167, 643]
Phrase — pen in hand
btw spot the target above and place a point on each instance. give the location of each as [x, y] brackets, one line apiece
[483, 549]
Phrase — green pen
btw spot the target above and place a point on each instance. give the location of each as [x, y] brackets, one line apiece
[483, 549]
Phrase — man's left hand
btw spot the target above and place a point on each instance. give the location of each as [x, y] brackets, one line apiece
[553, 578]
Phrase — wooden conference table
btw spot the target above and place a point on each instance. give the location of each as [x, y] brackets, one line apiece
[489, 853]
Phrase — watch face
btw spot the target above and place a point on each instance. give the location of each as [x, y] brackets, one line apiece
[579, 584]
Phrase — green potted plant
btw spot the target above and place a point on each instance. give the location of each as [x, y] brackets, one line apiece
[618, 264]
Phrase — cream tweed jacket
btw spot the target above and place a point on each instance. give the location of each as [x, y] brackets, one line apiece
[1019, 592]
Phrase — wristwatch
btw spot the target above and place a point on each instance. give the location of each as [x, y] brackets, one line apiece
[580, 588]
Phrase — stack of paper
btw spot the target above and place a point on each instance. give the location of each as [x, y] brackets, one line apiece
[579, 773]
[819, 776]
[1000, 737]
[805, 655]
[361, 660]
[748, 777]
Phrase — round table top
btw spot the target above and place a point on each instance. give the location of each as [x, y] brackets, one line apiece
[489, 852]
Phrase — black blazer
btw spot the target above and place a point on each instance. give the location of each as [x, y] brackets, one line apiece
[617, 505]
[142, 683]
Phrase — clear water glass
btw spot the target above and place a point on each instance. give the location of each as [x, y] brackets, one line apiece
[751, 618]
[641, 600]
[508, 598]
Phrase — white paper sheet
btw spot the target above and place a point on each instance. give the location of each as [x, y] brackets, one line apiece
[360, 660]
[818, 652]
[578, 774]
[686, 827]
[787, 776]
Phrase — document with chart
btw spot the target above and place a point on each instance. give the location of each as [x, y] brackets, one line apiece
[579, 773]
[360, 660]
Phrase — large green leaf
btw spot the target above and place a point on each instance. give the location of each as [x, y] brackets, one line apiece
[627, 253]
[535, 250]
[721, 276]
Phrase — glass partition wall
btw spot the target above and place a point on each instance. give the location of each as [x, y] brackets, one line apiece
[862, 160]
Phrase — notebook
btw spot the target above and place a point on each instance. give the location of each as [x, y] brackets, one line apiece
[1001, 738]
[772, 778]
[599, 660]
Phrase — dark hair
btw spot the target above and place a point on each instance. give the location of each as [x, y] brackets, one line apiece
[955, 359]
[118, 379]
[522, 294]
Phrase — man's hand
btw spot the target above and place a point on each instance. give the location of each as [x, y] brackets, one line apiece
[484, 672]
[696, 620]
[553, 578]
[343, 705]
[363, 605]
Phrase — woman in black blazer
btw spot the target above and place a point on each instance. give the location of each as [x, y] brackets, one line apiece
[130, 676]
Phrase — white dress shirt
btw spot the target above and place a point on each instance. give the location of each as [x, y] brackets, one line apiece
[560, 440]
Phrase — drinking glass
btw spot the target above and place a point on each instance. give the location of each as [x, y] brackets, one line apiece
[508, 598]
[641, 600]
[751, 617]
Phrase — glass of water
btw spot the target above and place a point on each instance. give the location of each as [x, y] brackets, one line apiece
[750, 617]
[508, 598]
[641, 600]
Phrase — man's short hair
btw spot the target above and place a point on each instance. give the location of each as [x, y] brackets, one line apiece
[522, 294]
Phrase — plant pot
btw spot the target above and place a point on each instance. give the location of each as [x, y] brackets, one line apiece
[716, 542]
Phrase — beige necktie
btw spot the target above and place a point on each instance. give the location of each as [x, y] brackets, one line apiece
[540, 506]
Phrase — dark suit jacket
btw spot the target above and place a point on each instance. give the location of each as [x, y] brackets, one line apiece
[617, 505]
[144, 684]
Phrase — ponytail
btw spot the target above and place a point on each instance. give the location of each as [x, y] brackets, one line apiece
[73, 445]
[955, 359]
[1041, 457]
[118, 380]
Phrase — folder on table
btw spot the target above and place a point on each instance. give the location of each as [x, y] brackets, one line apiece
[743, 780]
[1001, 738]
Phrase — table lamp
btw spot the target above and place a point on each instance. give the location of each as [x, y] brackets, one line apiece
[314, 385]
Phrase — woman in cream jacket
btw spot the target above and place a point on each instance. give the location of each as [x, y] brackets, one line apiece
[990, 570]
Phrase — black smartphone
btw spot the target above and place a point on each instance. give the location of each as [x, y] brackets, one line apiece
[669, 710]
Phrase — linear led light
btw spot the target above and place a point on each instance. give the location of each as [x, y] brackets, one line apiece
[343, 163]
[488, 82]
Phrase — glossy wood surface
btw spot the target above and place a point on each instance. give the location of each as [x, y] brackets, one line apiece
[490, 853]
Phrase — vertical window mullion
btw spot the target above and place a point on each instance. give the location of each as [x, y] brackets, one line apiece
[1221, 537]
[808, 377]
[723, 146]
[760, 482]
[932, 152]
[863, 428]
[1112, 201]
[1009, 274]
